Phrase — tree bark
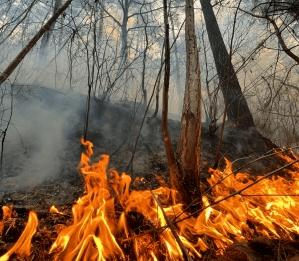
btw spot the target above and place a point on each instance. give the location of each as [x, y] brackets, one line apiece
[32, 42]
[185, 169]
[238, 111]
[177, 180]
[124, 37]
[188, 150]
[172, 163]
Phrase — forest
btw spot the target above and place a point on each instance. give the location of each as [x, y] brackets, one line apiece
[149, 130]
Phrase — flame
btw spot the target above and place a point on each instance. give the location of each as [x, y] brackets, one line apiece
[23, 245]
[90, 237]
[7, 211]
[53, 209]
[107, 218]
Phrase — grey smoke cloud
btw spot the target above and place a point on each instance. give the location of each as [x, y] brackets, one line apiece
[43, 123]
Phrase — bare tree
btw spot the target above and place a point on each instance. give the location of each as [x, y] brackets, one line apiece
[238, 110]
[46, 37]
[32, 42]
[185, 168]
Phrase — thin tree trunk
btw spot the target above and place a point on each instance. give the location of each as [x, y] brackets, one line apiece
[173, 168]
[174, 171]
[101, 26]
[184, 173]
[177, 69]
[124, 38]
[32, 42]
[46, 37]
[190, 132]
[144, 91]
[238, 110]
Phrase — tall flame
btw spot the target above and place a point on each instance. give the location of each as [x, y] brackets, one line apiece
[90, 237]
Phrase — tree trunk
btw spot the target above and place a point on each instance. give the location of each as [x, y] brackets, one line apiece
[124, 38]
[144, 91]
[32, 42]
[46, 37]
[177, 63]
[238, 111]
[101, 26]
[181, 180]
[188, 150]
[124, 47]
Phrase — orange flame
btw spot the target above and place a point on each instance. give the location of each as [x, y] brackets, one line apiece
[272, 216]
[7, 211]
[23, 245]
[90, 237]
[53, 209]
[99, 232]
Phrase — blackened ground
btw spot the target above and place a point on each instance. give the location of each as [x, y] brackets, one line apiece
[113, 129]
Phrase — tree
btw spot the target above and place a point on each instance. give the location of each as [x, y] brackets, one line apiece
[130, 10]
[190, 132]
[285, 11]
[238, 111]
[185, 167]
[32, 42]
[46, 37]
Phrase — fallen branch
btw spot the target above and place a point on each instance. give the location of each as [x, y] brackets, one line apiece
[172, 228]
[270, 195]
[235, 171]
[239, 191]
[247, 164]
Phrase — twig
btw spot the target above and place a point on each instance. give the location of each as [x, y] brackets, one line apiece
[172, 228]
[239, 191]
[5, 132]
[270, 195]
[235, 171]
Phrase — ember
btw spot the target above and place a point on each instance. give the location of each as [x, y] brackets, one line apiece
[99, 232]
[53, 209]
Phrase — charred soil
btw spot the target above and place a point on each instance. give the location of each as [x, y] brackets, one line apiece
[114, 129]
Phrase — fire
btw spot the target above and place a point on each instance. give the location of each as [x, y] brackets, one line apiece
[91, 235]
[23, 245]
[7, 211]
[109, 219]
[53, 209]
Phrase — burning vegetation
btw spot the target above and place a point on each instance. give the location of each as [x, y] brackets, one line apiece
[222, 215]
[112, 222]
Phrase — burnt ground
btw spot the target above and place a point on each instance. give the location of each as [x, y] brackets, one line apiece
[113, 130]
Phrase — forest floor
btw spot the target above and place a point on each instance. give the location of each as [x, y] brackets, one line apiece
[113, 131]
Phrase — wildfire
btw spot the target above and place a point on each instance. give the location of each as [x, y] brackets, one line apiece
[109, 219]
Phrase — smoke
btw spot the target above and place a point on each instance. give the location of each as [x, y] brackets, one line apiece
[41, 122]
